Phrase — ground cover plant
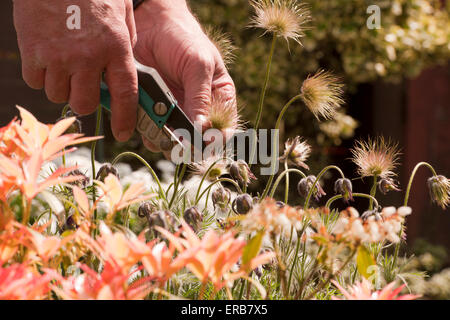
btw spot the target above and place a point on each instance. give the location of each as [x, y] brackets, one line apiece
[71, 228]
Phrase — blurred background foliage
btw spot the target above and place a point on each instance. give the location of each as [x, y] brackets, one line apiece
[414, 34]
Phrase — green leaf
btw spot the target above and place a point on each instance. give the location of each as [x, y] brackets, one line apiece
[364, 261]
[252, 247]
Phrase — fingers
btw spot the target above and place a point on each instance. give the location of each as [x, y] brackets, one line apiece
[129, 19]
[197, 83]
[57, 85]
[121, 77]
[33, 75]
[85, 91]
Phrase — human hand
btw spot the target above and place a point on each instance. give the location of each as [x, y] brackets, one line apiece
[69, 63]
[172, 41]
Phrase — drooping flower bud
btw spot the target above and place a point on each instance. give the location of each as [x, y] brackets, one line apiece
[344, 187]
[75, 127]
[221, 197]
[193, 218]
[84, 180]
[146, 209]
[161, 218]
[387, 184]
[240, 172]
[242, 204]
[370, 213]
[439, 187]
[305, 185]
[71, 223]
[104, 171]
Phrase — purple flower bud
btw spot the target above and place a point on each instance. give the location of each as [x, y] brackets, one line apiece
[221, 197]
[240, 172]
[387, 184]
[344, 187]
[242, 204]
[105, 170]
[75, 127]
[193, 218]
[305, 185]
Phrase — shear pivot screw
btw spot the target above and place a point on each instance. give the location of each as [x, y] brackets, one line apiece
[160, 109]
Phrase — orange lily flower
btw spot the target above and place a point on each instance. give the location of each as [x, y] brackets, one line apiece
[213, 257]
[118, 250]
[33, 136]
[18, 282]
[111, 284]
[24, 174]
[363, 291]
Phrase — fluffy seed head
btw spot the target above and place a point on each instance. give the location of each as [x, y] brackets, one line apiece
[223, 43]
[322, 93]
[222, 114]
[296, 152]
[283, 18]
[439, 187]
[375, 157]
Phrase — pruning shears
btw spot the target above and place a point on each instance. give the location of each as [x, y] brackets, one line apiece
[158, 112]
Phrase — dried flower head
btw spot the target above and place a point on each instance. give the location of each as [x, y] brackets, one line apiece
[283, 18]
[439, 187]
[223, 43]
[322, 93]
[296, 152]
[222, 114]
[376, 157]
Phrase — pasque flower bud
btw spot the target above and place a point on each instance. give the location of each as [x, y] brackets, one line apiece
[221, 197]
[193, 218]
[242, 204]
[344, 187]
[305, 185]
[83, 182]
[75, 127]
[439, 187]
[105, 170]
[387, 184]
[240, 172]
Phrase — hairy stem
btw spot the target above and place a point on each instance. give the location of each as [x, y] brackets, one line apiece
[275, 144]
[360, 195]
[146, 164]
[261, 99]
